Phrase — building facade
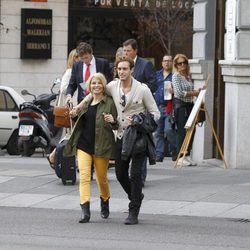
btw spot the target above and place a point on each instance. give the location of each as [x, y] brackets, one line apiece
[221, 36]
[105, 24]
[219, 46]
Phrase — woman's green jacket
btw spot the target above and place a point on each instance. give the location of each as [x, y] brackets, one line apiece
[104, 136]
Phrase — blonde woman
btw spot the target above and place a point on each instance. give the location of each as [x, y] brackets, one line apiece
[73, 57]
[93, 140]
[183, 102]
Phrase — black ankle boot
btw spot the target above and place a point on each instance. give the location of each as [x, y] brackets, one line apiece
[85, 212]
[132, 217]
[104, 208]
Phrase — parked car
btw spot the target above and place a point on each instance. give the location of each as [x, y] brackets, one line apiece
[10, 102]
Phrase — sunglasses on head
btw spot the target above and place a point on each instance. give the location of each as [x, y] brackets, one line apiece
[181, 63]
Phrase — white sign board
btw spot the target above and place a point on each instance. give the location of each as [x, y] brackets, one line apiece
[195, 109]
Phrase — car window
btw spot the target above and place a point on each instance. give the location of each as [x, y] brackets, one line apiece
[6, 102]
[2, 101]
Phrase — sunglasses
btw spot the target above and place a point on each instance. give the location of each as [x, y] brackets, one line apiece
[123, 100]
[181, 63]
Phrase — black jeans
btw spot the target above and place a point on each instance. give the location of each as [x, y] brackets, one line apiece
[132, 185]
[182, 115]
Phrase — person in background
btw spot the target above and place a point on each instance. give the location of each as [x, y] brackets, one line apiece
[131, 98]
[83, 69]
[72, 58]
[119, 52]
[184, 94]
[93, 141]
[163, 98]
[143, 72]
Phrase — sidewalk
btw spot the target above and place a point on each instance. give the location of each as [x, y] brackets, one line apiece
[207, 190]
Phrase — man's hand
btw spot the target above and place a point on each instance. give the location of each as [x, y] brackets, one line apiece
[130, 120]
[69, 99]
[73, 113]
[170, 89]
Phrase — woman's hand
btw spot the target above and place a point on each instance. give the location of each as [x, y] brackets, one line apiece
[202, 88]
[73, 113]
[108, 118]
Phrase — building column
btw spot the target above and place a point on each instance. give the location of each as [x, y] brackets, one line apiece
[201, 65]
[236, 75]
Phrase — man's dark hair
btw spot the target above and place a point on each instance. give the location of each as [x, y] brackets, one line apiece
[124, 59]
[131, 42]
[84, 48]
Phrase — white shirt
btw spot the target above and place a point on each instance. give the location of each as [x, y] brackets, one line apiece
[92, 67]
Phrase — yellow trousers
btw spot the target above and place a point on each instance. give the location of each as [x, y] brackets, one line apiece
[101, 167]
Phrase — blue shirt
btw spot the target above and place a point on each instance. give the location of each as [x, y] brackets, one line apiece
[159, 94]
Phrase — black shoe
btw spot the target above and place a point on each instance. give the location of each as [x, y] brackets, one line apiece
[142, 196]
[143, 183]
[159, 159]
[174, 156]
[104, 208]
[132, 218]
[85, 212]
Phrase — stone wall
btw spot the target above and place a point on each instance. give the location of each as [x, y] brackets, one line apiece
[34, 75]
[236, 75]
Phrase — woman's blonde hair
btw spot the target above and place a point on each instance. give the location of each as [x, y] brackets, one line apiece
[73, 57]
[98, 76]
[177, 57]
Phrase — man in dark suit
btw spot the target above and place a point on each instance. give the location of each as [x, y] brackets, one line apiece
[82, 69]
[143, 72]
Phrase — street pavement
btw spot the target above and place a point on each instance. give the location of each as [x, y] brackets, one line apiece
[206, 190]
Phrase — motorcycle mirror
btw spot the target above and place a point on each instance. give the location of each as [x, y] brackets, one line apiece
[57, 81]
[24, 92]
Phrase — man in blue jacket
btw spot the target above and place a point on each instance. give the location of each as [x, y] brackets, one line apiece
[82, 69]
[163, 97]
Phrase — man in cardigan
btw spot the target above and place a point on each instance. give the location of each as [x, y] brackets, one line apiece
[143, 72]
[131, 97]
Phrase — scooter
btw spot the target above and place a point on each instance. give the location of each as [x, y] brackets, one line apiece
[36, 124]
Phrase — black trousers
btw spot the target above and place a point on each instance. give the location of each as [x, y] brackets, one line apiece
[182, 115]
[132, 184]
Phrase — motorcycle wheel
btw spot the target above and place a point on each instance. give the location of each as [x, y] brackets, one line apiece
[27, 149]
[12, 146]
